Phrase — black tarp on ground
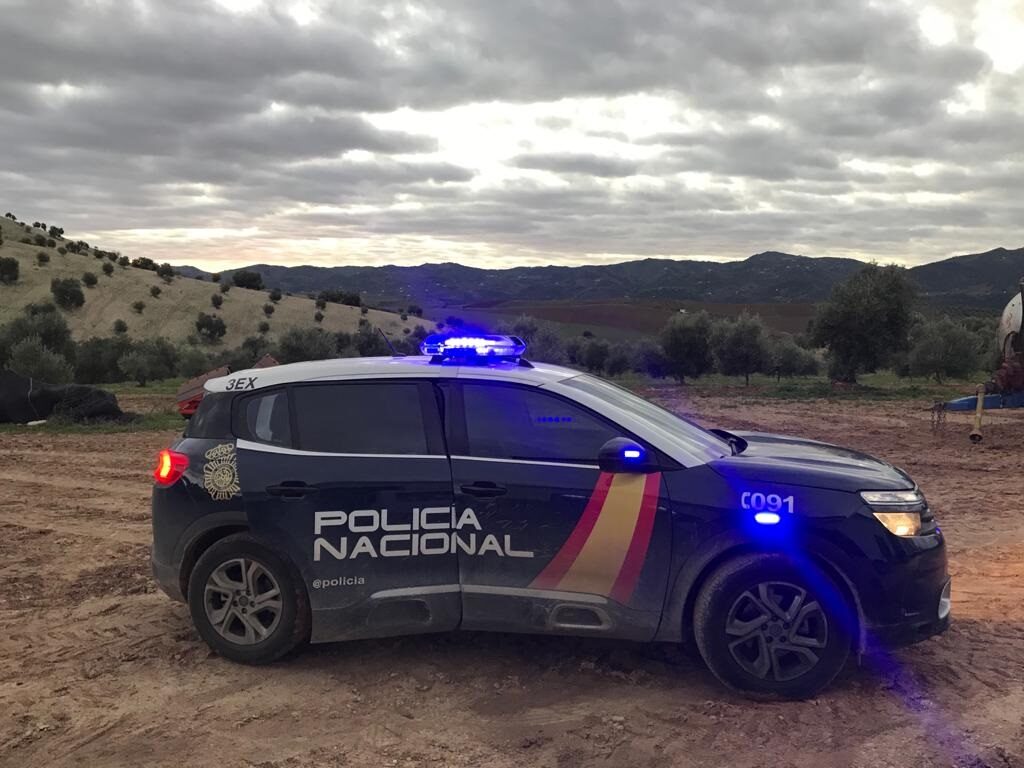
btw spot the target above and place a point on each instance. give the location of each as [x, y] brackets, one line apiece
[23, 399]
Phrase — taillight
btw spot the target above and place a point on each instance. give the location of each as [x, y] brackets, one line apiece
[170, 466]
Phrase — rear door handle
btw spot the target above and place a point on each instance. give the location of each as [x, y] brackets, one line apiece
[484, 490]
[291, 489]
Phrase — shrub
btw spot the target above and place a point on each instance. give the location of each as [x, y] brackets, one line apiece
[192, 362]
[42, 258]
[97, 359]
[120, 326]
[39, 239]
[298, 344]
[50, 243]
[649, 359]
[165, 272]
[122, 261]
[42, 321]
[415, 309]
[215, 277]
[685, 342]
[594, 355]
[67, 292]
[155, 291]
[138, 366]
[142, 262]
[210, 327]
[275, 295]
[787, 358]
[321, 304]
[263, 327]
[865, 321]
[9, 270]
[114, 256]
[620, 360]
[318, 317]
[248, 278]
[216, 300]
[108, 269]
[89, 279]
[404, 316]
[364, 311]
[268, 309]
[942, 348]
[98, 254]
[30, 357]
[335, 296]
[739, 346]
[56, 231]
[225, 287]
[62, 251]
[138, 306]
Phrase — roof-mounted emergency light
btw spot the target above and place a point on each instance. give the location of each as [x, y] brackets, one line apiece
[473, 349]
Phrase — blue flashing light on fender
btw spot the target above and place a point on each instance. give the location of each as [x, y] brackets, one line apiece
[767, 518]
[631, 453]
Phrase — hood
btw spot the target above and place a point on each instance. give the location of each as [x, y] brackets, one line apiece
[796, 461]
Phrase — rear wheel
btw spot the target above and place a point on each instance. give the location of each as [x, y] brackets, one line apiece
[767, 625]
[247, 602]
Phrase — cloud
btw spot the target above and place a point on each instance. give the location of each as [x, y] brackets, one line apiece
[560, 130]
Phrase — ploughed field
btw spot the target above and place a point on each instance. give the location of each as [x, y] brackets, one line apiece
[97, 668]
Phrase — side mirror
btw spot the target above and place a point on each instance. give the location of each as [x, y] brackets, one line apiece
[620, 454]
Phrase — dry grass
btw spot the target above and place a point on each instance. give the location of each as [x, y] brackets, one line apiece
[173, 314]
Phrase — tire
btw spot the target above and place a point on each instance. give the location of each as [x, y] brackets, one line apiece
[251, 616]
[772, 626]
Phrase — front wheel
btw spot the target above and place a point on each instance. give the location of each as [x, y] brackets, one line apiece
[246, 601]
[767, 625]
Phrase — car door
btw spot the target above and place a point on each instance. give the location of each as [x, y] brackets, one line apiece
[549, 543]
[352, 481]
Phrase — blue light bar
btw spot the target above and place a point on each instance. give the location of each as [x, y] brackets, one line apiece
[473, 348]
[631, 453]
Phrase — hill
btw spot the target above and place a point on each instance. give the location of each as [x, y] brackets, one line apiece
[981, 280]
[173, 313]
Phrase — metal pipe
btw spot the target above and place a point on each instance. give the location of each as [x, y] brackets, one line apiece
[979, 408]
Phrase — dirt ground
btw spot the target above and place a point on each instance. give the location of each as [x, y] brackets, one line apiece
[97, 668]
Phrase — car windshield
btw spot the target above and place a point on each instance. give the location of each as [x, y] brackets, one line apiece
[683, 429]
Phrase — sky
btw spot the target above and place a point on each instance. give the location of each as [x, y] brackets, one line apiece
[502, 133]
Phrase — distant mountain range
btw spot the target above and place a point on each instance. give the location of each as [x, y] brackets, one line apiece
[983, 280]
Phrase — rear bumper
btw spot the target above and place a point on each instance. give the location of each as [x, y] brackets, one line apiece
[166, 577]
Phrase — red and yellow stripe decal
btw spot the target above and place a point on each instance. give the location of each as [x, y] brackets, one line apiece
[605, 552]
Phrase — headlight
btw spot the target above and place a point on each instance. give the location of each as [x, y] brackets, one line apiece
[892, 498]
[900, 523]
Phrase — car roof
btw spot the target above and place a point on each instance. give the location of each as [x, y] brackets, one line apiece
[354, 368]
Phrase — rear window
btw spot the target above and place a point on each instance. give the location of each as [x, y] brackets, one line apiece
[369, 418]
[264, 418]
[213, 417]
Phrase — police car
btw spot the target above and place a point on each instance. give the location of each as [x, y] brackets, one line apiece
[471, 489]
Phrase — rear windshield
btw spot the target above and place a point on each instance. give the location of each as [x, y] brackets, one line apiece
[212, 418]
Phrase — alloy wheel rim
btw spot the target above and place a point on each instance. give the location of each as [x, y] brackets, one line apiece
[776, 631]
[243, 601]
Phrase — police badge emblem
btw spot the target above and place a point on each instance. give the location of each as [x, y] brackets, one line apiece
[220, 473]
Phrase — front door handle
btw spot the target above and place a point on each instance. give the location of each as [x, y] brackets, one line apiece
[484, 490]
[291, 489]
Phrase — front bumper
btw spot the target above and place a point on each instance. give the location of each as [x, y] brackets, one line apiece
[916, 626]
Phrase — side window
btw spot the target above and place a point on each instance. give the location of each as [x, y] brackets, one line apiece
[372, 417]
[264, 418]
[505, 422]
